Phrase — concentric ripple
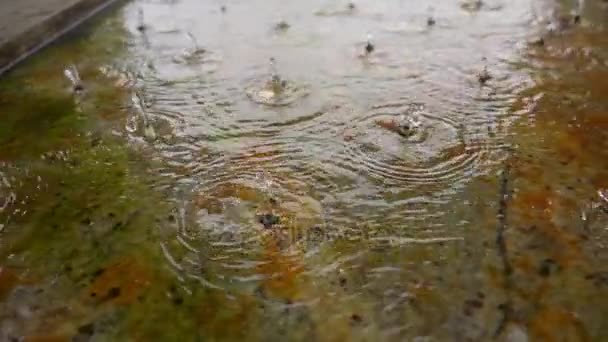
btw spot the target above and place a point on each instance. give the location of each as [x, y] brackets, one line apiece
[432, 150]
[352, 144]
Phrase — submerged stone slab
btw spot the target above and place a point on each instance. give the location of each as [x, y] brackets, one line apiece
[28, 25]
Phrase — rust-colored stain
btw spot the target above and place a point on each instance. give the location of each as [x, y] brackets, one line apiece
[536, 210]
[121, 282]
[8, 280]
[455, 151]
[212, 205]
[525, 263]
[260, 154]
[534, 204]
[235, 190]
[227, 317]
[391, 125]
[281, 271]
[211, 200]
[46, 338]
[557, 324]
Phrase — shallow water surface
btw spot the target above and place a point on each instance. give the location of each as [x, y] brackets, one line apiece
[185, 195]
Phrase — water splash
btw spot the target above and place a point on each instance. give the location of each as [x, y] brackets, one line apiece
[276, 91]
[141, 108]
[193, 55]
[71, 73]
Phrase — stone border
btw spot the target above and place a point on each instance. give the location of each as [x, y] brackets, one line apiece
[49, 28]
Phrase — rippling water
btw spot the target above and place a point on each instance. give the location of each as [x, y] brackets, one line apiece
[364, 192]
[324, 158]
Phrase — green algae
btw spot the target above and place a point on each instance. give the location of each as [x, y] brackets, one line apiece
[85, 191]
[86, 225]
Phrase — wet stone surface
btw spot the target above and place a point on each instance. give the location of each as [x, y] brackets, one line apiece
[449, 185]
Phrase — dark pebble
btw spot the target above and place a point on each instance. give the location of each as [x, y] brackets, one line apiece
[355, 318]
[268, 220]
[474, 303]
[546, 267]
[111, 215]
[93, 294]
[342, 281]
[539, 42]
[178, 300]
[95, 141]
[471, 305]
[598, 278]
[117, 226]
[171, 218]
[86, 221]
[98, 272]
[87, 329]
[113, 292]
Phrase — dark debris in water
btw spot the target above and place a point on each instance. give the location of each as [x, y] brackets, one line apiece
[471, 305]
[281, 26]
[547, 267]
[268, 220]
[356, 319]
[113, 292]
[598, 278]
[85, 332]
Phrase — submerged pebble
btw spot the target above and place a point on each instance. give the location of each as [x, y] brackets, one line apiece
[281, 26]
[547, 267]
[268, 220]
[484, 76]
[356, 319]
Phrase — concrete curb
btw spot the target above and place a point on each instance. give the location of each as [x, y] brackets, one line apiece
[45, 29]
